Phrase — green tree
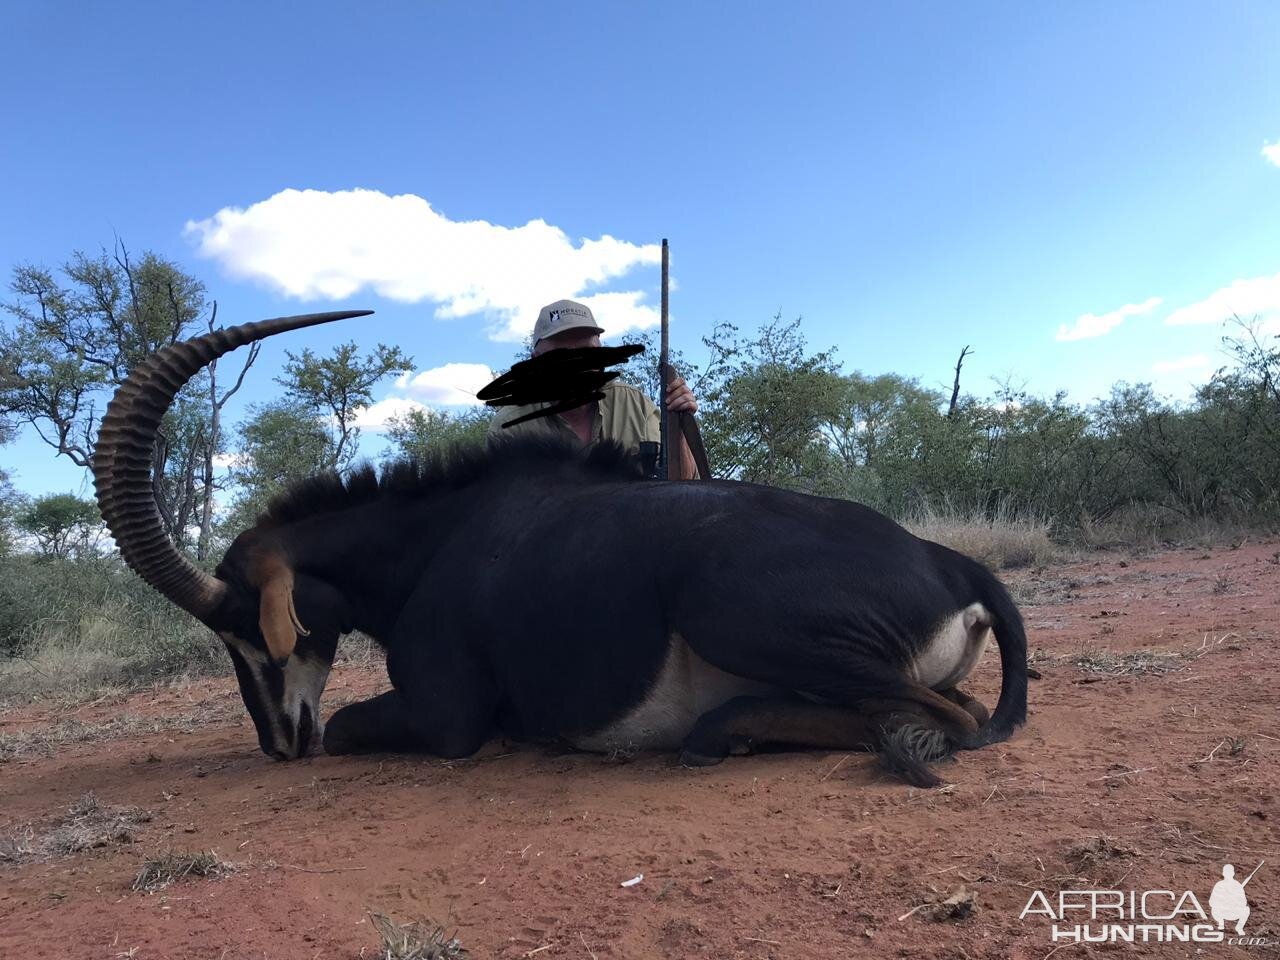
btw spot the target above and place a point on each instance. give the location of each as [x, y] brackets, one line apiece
[73, 339]
[1257, 357]
[11, 505]
[338, 386]
[279, 444]
[419, 432]
[641, 371]
[1172, 450]
[62, 524]
[1246, 404]
[764, 407]
[182, 446]
[874, 427]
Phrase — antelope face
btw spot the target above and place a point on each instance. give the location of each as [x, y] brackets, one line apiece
[283, 700]
[281, 688]
[282, 664]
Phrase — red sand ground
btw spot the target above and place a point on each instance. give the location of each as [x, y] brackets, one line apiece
[790, 855]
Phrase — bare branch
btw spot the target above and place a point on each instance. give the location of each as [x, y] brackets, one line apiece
[253, 355]
[177, 314]
[955, 387]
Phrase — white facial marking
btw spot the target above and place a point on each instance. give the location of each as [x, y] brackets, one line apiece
[257, 661]
[951, 654]
[304, 679]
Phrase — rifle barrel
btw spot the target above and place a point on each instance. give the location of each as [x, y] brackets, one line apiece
[1255, 870]
[664, 374]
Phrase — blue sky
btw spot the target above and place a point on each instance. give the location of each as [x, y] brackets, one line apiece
[909, 178]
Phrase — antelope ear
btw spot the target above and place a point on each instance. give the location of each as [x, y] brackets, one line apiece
[277, 616]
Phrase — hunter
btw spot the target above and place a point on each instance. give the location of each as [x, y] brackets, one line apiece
[625, 415]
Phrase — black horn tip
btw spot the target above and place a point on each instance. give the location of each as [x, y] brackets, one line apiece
[330, 316]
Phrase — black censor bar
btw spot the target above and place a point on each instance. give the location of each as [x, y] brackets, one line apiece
[565, 378]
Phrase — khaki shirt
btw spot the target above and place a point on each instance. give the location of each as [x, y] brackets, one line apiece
[625, 415]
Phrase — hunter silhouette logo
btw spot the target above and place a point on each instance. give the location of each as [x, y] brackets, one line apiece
[1150, 916]
[1228, 902]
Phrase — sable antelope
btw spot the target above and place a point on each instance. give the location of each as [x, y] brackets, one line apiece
[544, 592]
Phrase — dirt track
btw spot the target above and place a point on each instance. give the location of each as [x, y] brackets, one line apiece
[1162, 738]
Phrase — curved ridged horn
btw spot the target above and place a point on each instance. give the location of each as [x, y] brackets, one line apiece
[126, 440]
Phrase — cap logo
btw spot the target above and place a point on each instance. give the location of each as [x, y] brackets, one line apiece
[553, 318]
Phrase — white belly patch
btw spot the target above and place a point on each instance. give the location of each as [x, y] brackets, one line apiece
[685, 689]
[954, 650]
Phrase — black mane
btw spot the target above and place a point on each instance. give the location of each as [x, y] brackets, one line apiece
[455, 465]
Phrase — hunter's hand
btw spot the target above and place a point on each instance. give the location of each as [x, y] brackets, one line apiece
[680, 397]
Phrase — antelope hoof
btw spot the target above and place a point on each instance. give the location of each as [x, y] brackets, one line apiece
[689, 758]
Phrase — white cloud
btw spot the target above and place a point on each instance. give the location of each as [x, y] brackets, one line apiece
[1198, 361]
[318, 245]
[454, 384]
[1096, 325]
[617, 312]
[1257, 296]
[1271, 151]
[376, 416]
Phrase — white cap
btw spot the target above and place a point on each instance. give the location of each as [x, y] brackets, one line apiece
[563, 315]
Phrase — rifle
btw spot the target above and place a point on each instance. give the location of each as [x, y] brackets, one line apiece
[664, 374]
[686, 426]
[565, 379]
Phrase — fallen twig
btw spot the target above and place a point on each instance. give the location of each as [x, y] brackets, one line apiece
[1125, 773]
[291, 866]
[1209, 757]
[1075, 943]
[839, 764]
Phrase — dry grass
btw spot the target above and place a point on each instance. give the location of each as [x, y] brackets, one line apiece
[1142, 529]
[1088, 855]
[72, 662]
[1041, 589]
[92, 655]
[958, 906]
[166, 868]
[57, 671]
[1004, 541]
[1108, 664]
[87, 825]
[622, 754]
[45, 741]
[1137, 663]
[416, 941]
[361, 651]
[71, 629]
